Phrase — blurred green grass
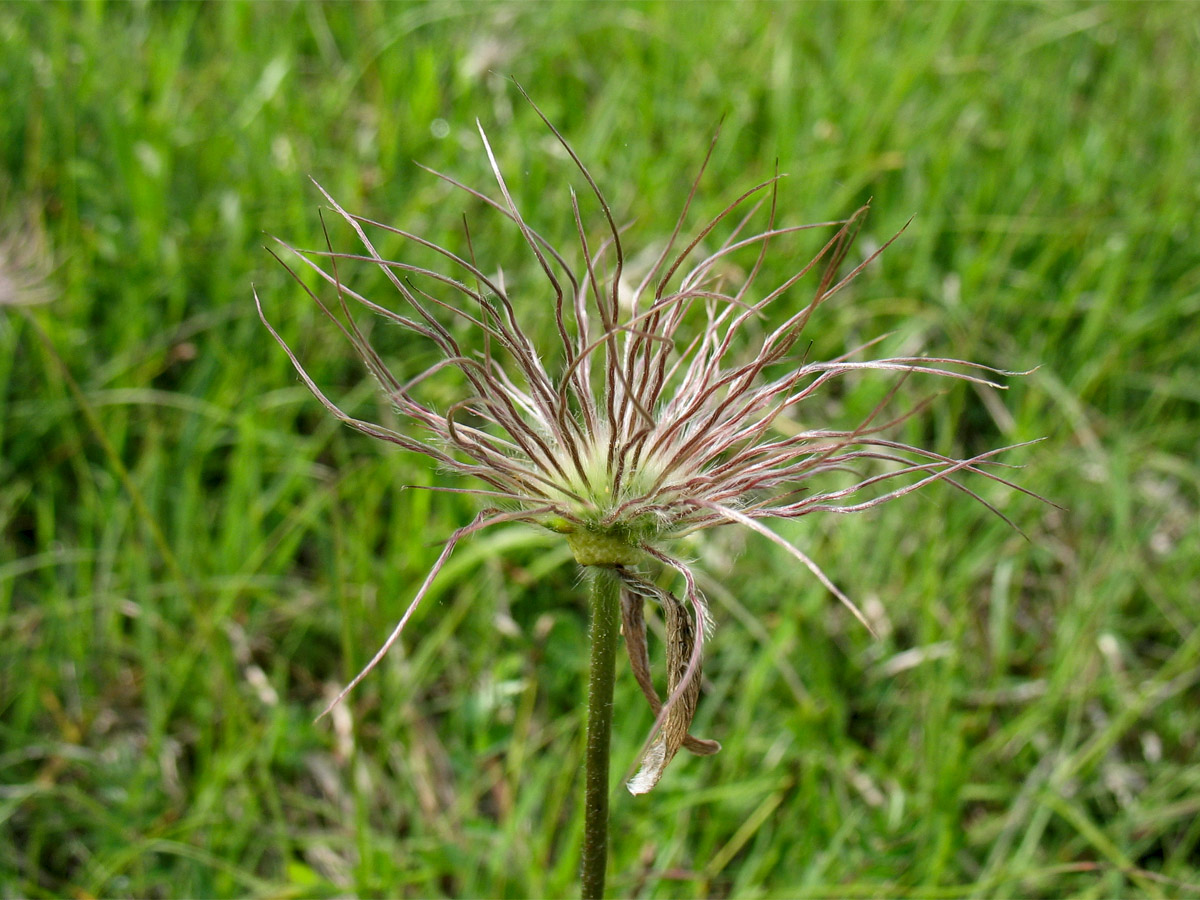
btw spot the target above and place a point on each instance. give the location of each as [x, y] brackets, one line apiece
[194, 556]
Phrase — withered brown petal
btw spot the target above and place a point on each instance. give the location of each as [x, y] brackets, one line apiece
[633, 625]
[681, 636]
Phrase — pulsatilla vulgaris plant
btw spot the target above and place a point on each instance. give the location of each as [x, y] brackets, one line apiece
[655, 414]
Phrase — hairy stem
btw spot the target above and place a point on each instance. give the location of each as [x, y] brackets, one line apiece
[606, 608]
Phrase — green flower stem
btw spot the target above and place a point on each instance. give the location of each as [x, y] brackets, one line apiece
[606, 609]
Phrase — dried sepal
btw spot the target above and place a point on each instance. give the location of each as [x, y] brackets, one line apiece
[683, 677]
[633, 628]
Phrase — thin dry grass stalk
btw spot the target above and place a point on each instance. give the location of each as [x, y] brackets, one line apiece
[25, 263]
[650, 421]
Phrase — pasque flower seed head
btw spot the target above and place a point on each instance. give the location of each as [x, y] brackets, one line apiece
[651, 420]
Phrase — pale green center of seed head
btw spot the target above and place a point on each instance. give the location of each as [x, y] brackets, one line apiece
[598, 537]
[596, 487]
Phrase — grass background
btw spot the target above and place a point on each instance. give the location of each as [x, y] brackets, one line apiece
[193, 556]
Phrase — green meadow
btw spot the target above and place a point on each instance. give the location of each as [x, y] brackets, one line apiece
[195, 556]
